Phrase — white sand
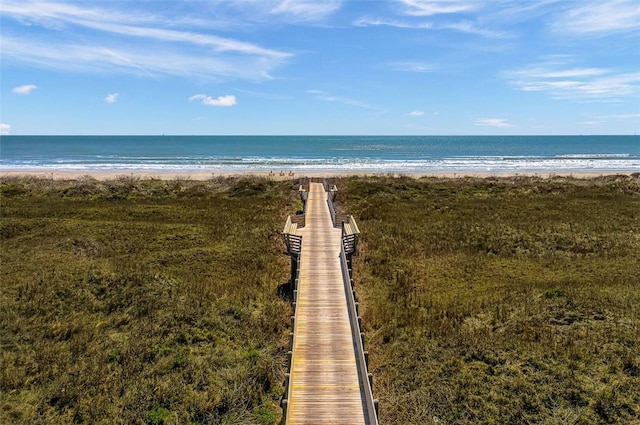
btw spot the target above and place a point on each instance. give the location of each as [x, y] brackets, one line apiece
[109, 175]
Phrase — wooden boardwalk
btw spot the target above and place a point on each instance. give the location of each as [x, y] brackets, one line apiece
[325, 384]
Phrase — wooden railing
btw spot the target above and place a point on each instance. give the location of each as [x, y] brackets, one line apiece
[328, 184]
[292, 241]
[294, 307]
[350, 238]
[304, 183]
[336, 218]
[362, 356]
[304, 195]
[292, 335]
[350, 235]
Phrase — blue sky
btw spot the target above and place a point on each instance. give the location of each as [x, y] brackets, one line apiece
[320, 67]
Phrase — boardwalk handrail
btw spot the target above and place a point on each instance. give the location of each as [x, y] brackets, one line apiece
[288, 383]
[370, 404]
[304, 183]
[304, 195]
[292, 241]
[350, 235]
[336, 218]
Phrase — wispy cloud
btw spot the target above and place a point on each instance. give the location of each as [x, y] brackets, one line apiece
[321, 95]
[600, 18]
[26, 89]
[493, 122]
[227, 100]
[111, 98]
[412, 19]
[306, 10]
[416, 113]
[155, 43]
[620, 117]
[438, 7]
[5, 129]
[562, 80]
[613, 118]
[396, 23]
[412, 66]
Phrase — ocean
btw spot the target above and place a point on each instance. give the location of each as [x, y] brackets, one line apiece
[299, 154]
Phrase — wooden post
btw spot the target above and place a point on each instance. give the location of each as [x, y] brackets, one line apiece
[294, 272]
[285, 408]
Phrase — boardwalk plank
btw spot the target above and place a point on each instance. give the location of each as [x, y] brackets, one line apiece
[326, 387]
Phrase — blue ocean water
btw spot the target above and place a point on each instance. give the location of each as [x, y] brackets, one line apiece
[363, 154]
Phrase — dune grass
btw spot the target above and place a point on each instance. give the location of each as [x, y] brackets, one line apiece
[156, 302]
[142, 301]
[500, 301]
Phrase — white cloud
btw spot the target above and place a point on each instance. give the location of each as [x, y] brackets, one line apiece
[306, 10]
[373, 22]
[613, 118]
[138, 61]
[111, 98]
[600, 18]
[437, 7]
[466, 26]
[563, 81]
[412, 67]
[26, 89]
[5, 129]
[592, 122]
[620, 117]
[127, 24]
[227, 100]
[153, 47]
[320, 95]
[493, 122]
[416, 113]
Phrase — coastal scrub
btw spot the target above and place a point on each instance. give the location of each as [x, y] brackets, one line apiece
[142, 301]
[500, 300]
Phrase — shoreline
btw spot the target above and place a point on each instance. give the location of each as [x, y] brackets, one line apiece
[189, 175]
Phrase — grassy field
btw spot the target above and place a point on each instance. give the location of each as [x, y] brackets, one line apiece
[500, 301]
[506, 301]
[142, 301]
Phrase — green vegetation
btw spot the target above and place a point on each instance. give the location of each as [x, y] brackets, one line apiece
[156, 302]
[504, 301]
[142, 301]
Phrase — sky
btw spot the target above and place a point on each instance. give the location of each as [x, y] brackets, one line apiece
[325, 67]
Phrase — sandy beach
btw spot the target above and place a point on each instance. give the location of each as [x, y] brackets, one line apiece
[284, 175]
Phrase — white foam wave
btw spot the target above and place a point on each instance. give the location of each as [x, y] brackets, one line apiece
[573, 163]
